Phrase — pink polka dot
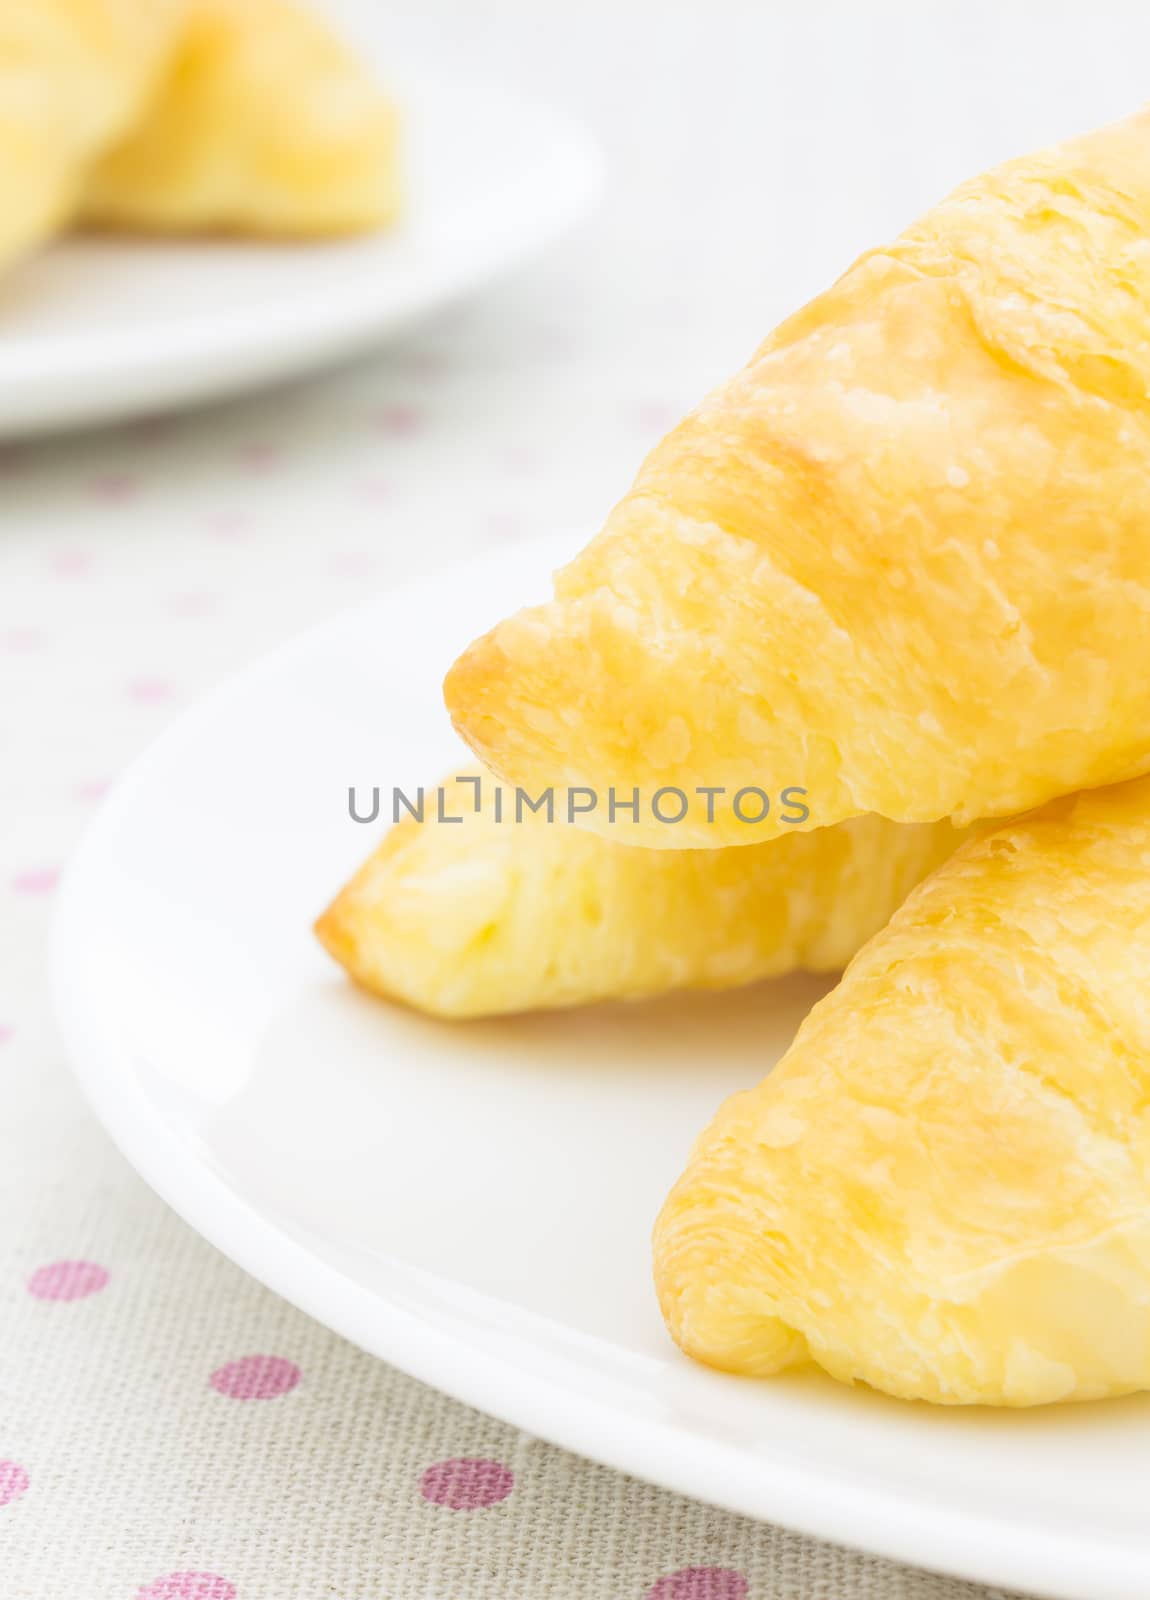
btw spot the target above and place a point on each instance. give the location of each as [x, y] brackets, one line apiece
[94, 789]
[188, 1586]
[72, 564]
[5, 1033]
[67, 1280]
[259, 455]
[13, 1482]
[195, 603]
[255, 1378]
[466, 1483]
[399, 420]
[352, 563]
[554, 344]
[519, 459]
[654, 417]
[229, 525]
[17, 640]
[376, 489]
[36, 880]
[700, 1583]
[149, 691]
[113, 486]
[504, 525]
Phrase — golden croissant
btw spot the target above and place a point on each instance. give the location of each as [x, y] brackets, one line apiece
[943, 1189]
[73, 76]
[266, 123]
[900, 560]
[481, 916]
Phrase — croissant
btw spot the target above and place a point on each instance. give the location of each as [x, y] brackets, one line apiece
[266, 124]
[488, 914]
[73, 75]
[943, 1189]
[900, 560]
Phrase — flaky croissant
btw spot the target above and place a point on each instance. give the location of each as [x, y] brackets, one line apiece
[478, 916]
[73, 76]
[900, 559]
[266, 124]
[943, 1189]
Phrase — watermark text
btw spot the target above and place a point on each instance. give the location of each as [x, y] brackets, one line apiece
[669, 806]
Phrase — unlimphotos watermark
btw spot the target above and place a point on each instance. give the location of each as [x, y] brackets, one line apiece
[669, 805]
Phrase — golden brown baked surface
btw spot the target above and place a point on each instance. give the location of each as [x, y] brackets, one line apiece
[901, 558]
[479, 916]
[266, 123]
[943, 1189]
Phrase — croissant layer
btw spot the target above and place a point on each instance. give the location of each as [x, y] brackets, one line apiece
[487, 914]
[900, 560]
[943, 1189]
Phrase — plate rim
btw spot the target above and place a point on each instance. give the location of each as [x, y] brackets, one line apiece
[934, 1536]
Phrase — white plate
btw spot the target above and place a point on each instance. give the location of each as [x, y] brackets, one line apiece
[98, 329]
[473, 1202]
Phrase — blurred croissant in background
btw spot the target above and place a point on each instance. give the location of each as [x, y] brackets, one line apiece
[243, 116]
[265, 123]
[74, 75]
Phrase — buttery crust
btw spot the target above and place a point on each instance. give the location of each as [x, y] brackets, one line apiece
[478, 917]
[901, 559]
[943, 1189]
[73, 75]
[265, 124]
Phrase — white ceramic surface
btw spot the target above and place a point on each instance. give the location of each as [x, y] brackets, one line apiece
[97, 329]
[473, 1202]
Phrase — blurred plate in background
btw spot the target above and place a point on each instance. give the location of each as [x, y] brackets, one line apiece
[97, 329]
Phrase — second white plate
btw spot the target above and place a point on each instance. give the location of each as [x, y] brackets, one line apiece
[473, 1203]
[94, 329]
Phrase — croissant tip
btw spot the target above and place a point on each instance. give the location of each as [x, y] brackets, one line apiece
[331, 931]
[475, 698]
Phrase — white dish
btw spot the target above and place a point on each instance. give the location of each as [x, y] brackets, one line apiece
[473, 1202]
[93, 330]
